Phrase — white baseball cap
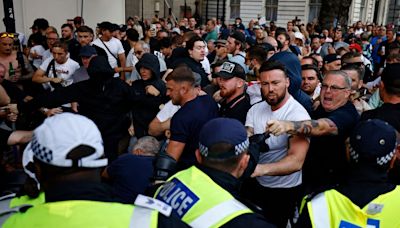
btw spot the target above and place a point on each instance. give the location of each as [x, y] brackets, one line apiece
[58, 135]
[299, 35]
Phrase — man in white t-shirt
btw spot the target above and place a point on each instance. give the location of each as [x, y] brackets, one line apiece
[57, 69]
[112, 46]
[279, 170]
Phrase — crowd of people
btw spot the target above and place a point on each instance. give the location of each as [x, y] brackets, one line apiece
[218, 125]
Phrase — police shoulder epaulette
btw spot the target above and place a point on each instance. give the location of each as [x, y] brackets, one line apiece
[154, 204]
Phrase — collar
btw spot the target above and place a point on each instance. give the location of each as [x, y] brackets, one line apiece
[223, 179]
[79, 190]
[233, 102]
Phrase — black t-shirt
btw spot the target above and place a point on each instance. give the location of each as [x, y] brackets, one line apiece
[187, 123]
[387, 112]
[326, 163]
[236, 108]
[130, 175]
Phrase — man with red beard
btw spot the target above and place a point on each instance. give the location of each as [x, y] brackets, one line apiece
[235, 103]
[278, 172]
[331, 125]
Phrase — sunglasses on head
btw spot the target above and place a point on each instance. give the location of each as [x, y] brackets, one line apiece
[3, 35]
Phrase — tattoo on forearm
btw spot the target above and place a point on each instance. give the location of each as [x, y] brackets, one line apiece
[304, 127]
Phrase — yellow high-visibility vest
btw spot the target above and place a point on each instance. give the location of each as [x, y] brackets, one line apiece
[82, 213]
[198, 200]
[332, 209]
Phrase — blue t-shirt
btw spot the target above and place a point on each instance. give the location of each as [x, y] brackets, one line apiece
[187, 123]
[130, 175]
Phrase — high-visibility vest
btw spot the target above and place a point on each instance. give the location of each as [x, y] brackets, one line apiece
[10, 201]
[82, 213]
[332, 209]
[198, 200]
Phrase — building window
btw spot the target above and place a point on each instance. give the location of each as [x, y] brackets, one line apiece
[271, 10]
[235, 9]
[315, 7]
[362, 10]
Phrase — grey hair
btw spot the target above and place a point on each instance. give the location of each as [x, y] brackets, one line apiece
[148, 144]
[344, 75]
[145, 46]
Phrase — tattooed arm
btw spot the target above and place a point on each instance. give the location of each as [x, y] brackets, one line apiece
[323, 126]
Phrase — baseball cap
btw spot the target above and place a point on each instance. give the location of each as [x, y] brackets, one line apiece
[87, 51]
[390, 76]
[299, 35]
[107, 26]
[373, 141]
[231, 69]
[356, 47]
[40, 23]
[330, 58]
[222, 42]
[54, 139]
[223, 130]
[238, 36]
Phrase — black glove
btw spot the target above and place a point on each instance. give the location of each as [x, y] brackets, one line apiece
[260, 139]
[164, 166]
[257, 145]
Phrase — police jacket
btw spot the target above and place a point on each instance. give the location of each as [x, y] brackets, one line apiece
[84, 204]
[361, 200]
[204, 197]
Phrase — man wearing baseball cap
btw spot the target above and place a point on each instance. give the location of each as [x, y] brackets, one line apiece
[86, 54]
[331, 62]
[366, 199]
[206, 195]
[236, 46]
[235, 103]
[67, 151]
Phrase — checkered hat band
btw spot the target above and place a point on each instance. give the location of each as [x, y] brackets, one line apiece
[240, 148]
[41, 152]
[380, 161]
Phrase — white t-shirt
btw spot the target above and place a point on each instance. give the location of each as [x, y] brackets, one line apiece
[115, 47]
[206, 65]
[257, 118]
[46, 54]
[63, 71]
[131, 61]
[254, 92]
[38, 49]
[167, 111]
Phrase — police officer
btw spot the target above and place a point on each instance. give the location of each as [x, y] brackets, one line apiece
[206, 195]
[67, 150]
[367, 199]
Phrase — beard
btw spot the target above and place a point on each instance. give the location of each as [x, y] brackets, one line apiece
[275, 99]
[226, 93]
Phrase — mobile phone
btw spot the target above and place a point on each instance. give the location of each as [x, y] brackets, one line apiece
[153, 29]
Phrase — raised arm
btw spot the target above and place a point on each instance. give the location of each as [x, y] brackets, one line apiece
[323, 126]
